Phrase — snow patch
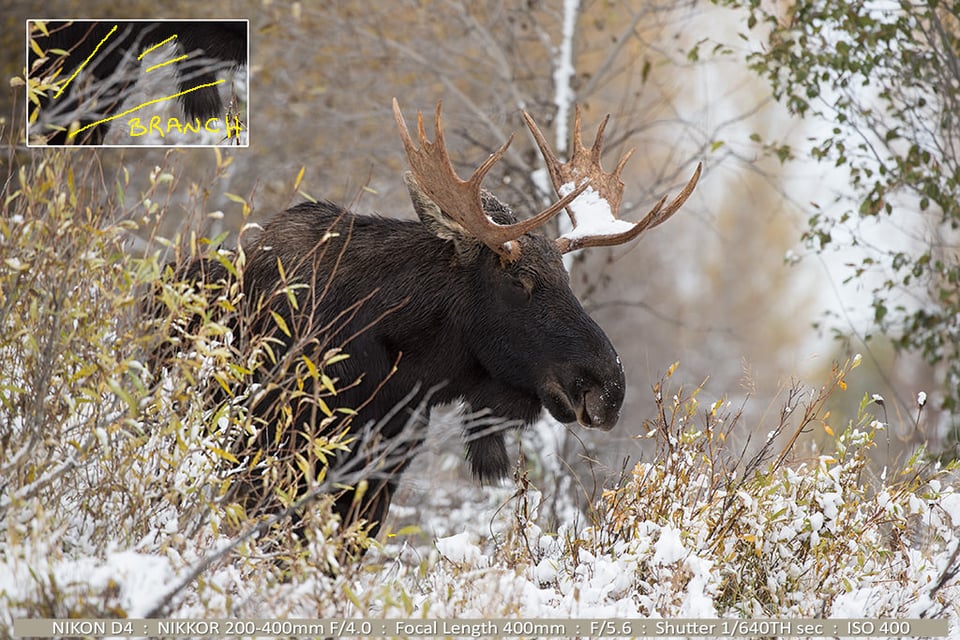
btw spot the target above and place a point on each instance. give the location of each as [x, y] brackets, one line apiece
[593, 214]
[951, 505]
[669, 547]
[458, 548]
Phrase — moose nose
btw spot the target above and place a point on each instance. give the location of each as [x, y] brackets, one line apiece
[600, 406]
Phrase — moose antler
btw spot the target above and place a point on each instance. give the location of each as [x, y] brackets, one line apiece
[599, 226]
[460, 199]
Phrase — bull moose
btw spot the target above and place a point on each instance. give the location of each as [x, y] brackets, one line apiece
[468, 304]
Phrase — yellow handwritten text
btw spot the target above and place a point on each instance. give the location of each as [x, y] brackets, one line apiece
[142, 105]
[212, 125]
[84, 63]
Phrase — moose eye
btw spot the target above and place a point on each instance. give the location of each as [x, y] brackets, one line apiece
[518, 291]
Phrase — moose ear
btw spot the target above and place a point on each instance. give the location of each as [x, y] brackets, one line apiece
[440, 224]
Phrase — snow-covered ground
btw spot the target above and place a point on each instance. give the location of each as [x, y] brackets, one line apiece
[803, 541]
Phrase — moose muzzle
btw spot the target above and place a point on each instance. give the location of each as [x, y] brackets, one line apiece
[581, 398]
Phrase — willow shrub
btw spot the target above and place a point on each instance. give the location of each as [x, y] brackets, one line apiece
[106, 446]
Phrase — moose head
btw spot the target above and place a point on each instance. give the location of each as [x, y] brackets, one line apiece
[565, 361]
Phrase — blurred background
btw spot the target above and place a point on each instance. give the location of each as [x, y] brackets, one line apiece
[726, 287]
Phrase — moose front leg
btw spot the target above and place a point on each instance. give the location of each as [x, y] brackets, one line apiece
[370, 503]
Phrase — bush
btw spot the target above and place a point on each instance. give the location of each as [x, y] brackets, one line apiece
[705, 530]
[109, 451]
[123, 438]
[771, 536]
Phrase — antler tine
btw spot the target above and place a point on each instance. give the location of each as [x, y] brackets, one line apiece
[460, 199]
[597, 147]
[585, 164]
[553, 164]
[656, 216]
[679, 201]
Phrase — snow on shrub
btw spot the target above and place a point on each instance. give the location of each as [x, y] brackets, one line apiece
[704, 531]
[115, 479]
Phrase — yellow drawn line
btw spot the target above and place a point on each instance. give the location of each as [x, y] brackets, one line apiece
[159, 44]
[97, 48]
[163, 64]
[140, 106]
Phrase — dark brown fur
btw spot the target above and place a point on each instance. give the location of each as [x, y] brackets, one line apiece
[458, 323]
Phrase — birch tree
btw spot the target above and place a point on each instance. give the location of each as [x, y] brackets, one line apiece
[884, 82]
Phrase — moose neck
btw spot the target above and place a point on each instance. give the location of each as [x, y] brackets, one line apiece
[429, 298]
[417, 298]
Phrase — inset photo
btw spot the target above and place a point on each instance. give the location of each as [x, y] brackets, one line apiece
[120, 83]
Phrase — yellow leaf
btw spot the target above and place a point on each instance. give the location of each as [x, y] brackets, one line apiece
[409, 530]
[352, 597]
[323, 407]
[311, 368]
[327, 383]
[281, 323]
[827, 428]
[16, 264]
[337, 358]
[304, 465]
[226, 455]
[296, 183]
